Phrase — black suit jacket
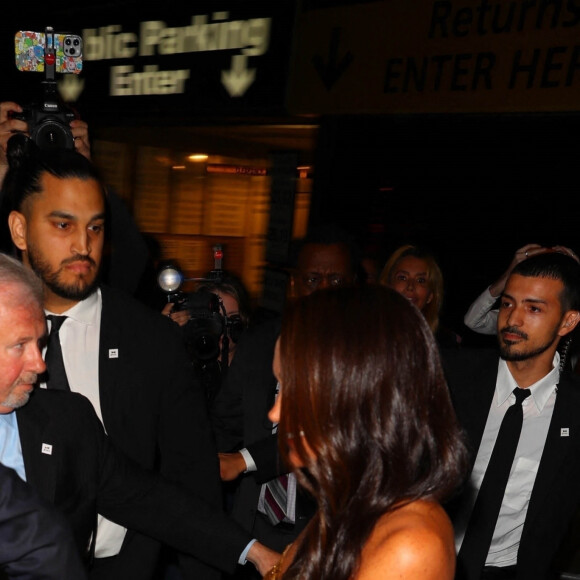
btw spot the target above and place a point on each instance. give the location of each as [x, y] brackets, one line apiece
[154, 410]
[240, 419]
[71, 463]
[35, 539]
[471, 375]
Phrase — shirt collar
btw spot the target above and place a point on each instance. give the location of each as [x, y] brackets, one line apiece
[9, 419]
[86, 311]
[540, 391]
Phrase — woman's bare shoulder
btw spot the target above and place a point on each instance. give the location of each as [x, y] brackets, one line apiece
[415, 541]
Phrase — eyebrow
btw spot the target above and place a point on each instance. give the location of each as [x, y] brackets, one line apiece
[401, 271]
[21, 339]
[66, 215]
[532, 300]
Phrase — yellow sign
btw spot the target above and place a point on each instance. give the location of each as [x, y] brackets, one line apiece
[437, 56]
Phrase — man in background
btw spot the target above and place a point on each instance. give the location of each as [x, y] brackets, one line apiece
[128, 360]
[516, 507]
[245, 437]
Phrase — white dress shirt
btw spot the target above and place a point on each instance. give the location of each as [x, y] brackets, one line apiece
[480, 316]
[537, 411]
[79, 339]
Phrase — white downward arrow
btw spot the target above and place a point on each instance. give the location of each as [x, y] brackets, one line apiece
[237, 80]
[70, 88]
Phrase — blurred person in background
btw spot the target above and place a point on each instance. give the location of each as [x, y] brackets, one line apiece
[413, 272]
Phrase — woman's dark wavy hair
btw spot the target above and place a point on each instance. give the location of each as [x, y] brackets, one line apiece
[362, 381]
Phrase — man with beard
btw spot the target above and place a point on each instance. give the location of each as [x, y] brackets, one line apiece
[128, 360]
[514, 528]
[54, 441]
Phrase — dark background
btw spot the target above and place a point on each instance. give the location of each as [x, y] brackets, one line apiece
[472, 188]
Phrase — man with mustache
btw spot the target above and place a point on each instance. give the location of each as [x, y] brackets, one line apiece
[55, 442]
[520, 537]
[129, 361]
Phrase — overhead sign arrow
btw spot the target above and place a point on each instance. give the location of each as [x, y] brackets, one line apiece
[238, 79]
[332, 70]
[70, 88]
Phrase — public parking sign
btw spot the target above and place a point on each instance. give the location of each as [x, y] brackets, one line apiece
[173, 59]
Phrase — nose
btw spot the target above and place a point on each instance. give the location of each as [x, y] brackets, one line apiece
[514, 317]
[81, 243]
[35, 361]
[274, 414]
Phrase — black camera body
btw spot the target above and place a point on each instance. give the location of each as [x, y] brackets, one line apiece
[48, 125]
[206, 322]
[209, 329]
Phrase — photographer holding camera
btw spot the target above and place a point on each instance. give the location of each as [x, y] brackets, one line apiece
[9, 125]
[234, 306]
[213, 319]
[122, 268]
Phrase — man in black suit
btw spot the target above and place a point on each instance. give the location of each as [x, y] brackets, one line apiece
[35, 540]
[128, 360]
[54, 440]
[539, 307]
[326, 258]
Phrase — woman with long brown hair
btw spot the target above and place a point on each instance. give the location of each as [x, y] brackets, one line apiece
[365, 418]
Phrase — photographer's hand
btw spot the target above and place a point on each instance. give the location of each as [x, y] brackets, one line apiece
[80, 133]
[8, 127]
[179, 316]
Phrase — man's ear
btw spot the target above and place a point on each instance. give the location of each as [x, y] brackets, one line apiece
[17, 225]
[569, 323]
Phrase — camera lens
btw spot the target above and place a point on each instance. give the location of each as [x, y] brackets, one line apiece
[52, 135]
[67, 41]
[76, 42]
[206, 347]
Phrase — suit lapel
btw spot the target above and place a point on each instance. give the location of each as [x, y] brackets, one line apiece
[563, 433]
[109, 353]
[37, 448]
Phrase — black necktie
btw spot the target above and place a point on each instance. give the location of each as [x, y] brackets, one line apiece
[53, 357]
[479, 533]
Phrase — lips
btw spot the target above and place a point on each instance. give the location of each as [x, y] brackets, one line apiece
[28, 381]
[79, 267]
[511, 336]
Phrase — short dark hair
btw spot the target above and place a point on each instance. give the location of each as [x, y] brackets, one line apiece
[555, 266]
[328, 234]
[27, 163]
